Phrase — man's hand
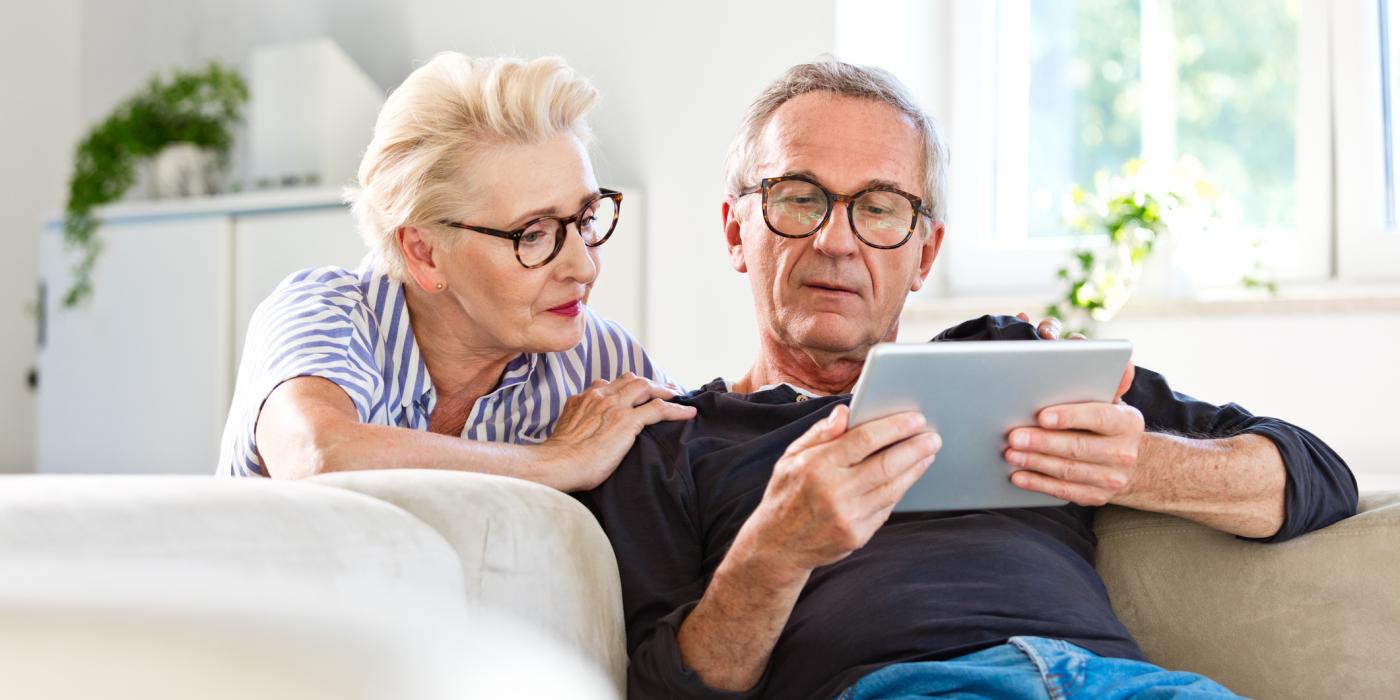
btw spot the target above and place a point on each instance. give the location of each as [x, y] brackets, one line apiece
[1050, 328]
[833, 487]
[1085, 453]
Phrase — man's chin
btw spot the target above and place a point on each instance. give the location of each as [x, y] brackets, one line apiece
[830, 334]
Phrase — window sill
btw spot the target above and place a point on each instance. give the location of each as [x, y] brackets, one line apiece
[1294, 299]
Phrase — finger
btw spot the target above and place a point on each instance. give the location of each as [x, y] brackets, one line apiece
[1125, 383]
[823, 431]
[886, 466]
[1104, 478]
[1101, 418]
[640, 390]
[1078, 336]
[657, 410]
[1063, 490]
[1024, 317]
[1049, 328]
[1070, 444]
[871, 437]
[888, 497]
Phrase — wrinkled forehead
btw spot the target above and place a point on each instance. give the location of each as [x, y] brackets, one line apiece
[845, 142]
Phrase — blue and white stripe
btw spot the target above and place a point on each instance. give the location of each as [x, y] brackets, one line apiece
[352, 328]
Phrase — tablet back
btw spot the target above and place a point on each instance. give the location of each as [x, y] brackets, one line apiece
[973, 394]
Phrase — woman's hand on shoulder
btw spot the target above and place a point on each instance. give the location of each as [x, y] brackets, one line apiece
[599, 425]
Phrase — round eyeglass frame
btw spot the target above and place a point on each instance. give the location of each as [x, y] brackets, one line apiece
[766, 184]
[561, 230]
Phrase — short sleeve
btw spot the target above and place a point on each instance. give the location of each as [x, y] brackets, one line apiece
[310, 326]
[612, 351]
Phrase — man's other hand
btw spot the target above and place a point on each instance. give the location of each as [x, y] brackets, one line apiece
[833, 487]
[1085, 453]
[1050, 328]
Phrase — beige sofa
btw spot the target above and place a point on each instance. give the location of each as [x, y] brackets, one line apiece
[429, 584]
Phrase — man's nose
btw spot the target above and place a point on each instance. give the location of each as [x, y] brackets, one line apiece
[836, 238]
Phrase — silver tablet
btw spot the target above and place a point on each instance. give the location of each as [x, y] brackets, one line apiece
[973, 393]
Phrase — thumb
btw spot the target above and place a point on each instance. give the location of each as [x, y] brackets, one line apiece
[1125, 383]
[824, 430]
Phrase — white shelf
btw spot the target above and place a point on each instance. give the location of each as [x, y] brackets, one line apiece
[256, 202]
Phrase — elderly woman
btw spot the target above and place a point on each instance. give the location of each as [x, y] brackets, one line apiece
[463, 341]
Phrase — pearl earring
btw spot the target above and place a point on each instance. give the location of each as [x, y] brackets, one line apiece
[441, 286]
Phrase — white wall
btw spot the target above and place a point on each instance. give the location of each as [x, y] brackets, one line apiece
[39, 74]
[675, 78]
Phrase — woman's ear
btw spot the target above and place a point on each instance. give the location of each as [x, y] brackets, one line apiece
[419, 258]
[728, 211]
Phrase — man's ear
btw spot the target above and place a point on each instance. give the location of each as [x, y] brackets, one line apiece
[928, 252]
[419, 256]
[728, 210]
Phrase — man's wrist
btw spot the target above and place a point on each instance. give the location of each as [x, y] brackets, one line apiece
[753, 559]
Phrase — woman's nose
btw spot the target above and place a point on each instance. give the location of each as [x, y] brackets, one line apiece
[576, 261]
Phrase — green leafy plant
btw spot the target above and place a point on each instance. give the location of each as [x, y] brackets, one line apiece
[196, 107]
[1134, 211]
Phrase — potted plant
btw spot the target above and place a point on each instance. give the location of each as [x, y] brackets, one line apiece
[1131, 215]
[191, 110]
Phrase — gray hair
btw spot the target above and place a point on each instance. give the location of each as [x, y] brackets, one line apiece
[849, 80]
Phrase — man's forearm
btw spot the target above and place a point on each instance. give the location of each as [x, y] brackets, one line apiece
[1232, 484]
[729, 636]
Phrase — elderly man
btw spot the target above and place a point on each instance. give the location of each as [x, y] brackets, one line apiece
[758, 554]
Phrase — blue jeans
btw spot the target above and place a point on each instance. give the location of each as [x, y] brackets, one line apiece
[1032, 667]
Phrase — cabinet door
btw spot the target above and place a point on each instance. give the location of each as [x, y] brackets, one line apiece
[136, 379]
[268, 247]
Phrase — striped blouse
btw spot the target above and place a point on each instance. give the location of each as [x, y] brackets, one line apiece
[352, 328]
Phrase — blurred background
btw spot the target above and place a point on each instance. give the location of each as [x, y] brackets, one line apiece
[1214, 181]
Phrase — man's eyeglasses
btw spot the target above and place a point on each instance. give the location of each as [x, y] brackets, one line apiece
[881, 216]
[539, 241]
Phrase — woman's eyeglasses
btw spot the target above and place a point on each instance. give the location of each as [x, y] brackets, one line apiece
[539, 241]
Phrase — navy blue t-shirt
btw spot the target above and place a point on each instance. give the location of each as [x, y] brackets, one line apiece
[928, 586]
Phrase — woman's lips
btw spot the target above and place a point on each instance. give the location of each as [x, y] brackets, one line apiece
[570, 309]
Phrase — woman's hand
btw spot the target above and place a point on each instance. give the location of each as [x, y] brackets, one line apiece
[598, 426]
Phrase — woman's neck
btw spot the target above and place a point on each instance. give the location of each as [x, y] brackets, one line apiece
[459, 364]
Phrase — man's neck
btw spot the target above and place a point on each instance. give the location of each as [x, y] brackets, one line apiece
[820, 373]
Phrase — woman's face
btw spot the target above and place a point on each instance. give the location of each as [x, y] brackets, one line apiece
[506, 305]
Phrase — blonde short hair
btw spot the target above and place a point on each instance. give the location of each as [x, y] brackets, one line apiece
[847, 80]
[445, 111]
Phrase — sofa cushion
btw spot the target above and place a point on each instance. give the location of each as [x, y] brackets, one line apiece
[1314, 617]
[524, 548]
[173, 533]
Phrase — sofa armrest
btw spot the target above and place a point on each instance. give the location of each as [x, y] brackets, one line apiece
[1317, 616]
[526, 549]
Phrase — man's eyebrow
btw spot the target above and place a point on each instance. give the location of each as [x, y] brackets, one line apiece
[529, 216]
[877, 182]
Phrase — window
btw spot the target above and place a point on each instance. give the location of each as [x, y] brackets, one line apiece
[1040, 95]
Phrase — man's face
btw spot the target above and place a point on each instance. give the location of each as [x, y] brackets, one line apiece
[830, 294]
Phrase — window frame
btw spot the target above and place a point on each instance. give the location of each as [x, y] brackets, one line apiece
[1366, 247]
[982, 257]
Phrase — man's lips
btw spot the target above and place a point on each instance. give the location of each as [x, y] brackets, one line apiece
[831, 287]
[570, 308]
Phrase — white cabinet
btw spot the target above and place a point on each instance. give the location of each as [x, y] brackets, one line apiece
[138, 378]
[135, 379]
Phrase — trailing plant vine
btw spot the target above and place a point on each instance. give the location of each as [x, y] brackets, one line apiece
[197, 107]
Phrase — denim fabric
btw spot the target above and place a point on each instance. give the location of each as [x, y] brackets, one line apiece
[1032, 667]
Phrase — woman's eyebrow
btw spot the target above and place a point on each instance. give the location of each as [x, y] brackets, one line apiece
[527, 217]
